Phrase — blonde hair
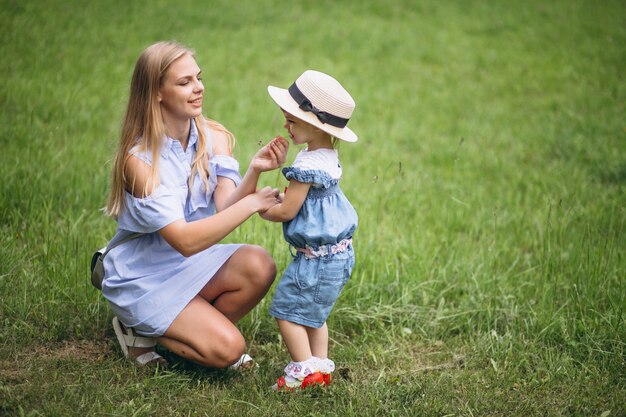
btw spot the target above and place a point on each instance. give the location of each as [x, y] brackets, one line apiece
[143, 123]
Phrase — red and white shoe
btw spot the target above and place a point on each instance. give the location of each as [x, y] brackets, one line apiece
[327, 379]
[313, 379]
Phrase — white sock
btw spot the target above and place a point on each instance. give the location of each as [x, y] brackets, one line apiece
[325, 366]
[301, 370]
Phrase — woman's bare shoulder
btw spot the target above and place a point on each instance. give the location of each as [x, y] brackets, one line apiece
[139, 180]
[221, 141]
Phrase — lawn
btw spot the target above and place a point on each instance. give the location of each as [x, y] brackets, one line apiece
[489, 178]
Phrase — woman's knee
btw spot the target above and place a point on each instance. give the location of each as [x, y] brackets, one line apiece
[231, 350]
[259, 265]
[227, 348]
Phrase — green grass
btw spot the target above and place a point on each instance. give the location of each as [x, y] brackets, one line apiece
[490, 180]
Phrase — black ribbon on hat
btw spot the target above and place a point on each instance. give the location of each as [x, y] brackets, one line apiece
[306, 105]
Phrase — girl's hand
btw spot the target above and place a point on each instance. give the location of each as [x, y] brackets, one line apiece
[264, 199]
[271, 156]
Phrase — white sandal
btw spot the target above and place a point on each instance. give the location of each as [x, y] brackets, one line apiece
[245, 362]
[131, 339]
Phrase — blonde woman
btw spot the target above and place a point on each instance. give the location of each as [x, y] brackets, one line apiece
[175, 181]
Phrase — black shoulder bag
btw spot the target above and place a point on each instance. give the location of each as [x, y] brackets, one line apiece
[97, 260]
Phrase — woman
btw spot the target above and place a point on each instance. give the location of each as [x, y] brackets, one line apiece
[175, 181]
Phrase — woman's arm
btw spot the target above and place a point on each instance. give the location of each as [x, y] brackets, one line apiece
[193, 237]
[291, 204]
[269, 157]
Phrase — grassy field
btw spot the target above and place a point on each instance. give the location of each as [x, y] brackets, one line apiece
[490, 180]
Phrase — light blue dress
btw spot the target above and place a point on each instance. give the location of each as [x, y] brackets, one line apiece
[147, 282]
[309, 287]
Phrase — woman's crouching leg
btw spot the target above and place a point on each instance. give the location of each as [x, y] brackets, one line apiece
[241, 282]
[204, 335]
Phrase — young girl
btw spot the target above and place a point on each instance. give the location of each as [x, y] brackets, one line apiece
[318, 221]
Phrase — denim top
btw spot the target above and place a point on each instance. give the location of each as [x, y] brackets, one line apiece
[326, 216]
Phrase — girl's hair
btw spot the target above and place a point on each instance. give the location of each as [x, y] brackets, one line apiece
[143, 124]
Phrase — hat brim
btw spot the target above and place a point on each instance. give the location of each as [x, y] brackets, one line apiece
[284, 100]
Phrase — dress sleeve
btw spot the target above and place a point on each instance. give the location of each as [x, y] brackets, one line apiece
[312, 176]
[152, 213]
[228, 167]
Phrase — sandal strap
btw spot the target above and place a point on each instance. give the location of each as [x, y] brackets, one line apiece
[244, 361]
[132, 339]
[147, 358]
[139, 341]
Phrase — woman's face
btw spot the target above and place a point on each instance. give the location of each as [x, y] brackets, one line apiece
[180, 94]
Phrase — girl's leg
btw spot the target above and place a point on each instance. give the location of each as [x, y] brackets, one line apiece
[319, 347]
[204, 335]
[310, 371]
[318, 340]
[241, 282]
[296, 339]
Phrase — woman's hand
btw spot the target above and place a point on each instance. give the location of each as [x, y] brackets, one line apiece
[289, 203]
[271, 156]
[264, 199]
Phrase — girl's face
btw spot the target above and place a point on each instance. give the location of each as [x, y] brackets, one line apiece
[180, 94]
[300, 131]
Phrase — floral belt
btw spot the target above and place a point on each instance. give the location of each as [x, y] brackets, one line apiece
[325, 250]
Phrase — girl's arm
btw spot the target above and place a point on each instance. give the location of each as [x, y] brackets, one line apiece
[291, 204]
[269, 157]
[189, 238]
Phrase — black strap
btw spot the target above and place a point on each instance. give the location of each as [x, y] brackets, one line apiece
[126, 239]
[305, 104]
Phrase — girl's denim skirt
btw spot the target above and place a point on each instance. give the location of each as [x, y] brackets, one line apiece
[309, 288]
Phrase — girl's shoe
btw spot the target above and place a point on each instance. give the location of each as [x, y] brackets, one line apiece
[313, 379]
[327, 379]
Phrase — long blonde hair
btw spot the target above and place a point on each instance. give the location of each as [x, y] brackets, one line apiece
[143, 123]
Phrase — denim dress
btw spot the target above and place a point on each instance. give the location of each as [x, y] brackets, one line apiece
[147, 282]
[310, 286]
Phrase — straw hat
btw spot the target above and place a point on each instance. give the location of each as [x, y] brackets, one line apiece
[320, 100]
